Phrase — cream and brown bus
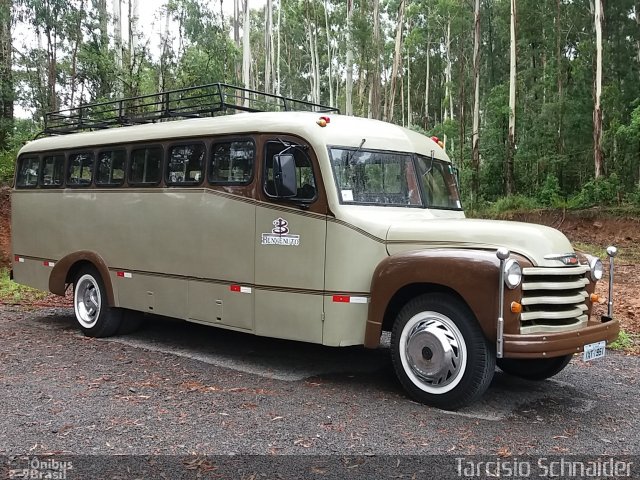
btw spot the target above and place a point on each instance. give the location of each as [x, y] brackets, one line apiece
[307, 226]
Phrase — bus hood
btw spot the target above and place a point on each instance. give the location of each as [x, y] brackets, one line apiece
[530, 240]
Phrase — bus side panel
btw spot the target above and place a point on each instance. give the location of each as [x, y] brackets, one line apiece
[292, 316]
[345, 320]
[32, 273]
[218, 304]
[350, 262]
[289, 265]
[152, 294]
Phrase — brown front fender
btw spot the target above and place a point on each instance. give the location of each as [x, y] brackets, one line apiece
[473, 275]
[60, 277]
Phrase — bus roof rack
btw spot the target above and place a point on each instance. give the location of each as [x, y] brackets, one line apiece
[190, 102]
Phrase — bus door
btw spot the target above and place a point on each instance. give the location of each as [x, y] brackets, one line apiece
[290, 248]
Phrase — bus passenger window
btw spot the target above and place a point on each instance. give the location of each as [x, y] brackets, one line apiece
[185, 164]
[232, 163]
[110, 168]
[28, 170]
[146, 166]
[52, 168]
[80, 169]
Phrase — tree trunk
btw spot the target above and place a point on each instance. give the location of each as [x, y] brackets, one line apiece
[511, 136]
[637, 9]
[475, 135]
[597, 93]
[134, 34]
[409, 113]
[74, 56]
[349, 59]
[117, 34]
[246, 51]
[236, 37]
[268, 48]
[560, 137]
[448, 100]
[278, 82]
[375, 81]
[427, 81]
[329, 58]
[164, 57]
[7, 93]
[397, 58]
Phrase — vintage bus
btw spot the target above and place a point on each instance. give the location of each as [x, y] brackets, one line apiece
[307, 226]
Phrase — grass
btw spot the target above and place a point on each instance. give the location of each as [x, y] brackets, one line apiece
[623, 342]
[12, 292]
[626, 254]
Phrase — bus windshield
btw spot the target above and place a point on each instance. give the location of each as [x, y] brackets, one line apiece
[373, 177]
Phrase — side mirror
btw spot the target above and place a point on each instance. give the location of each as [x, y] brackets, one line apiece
[284, 175]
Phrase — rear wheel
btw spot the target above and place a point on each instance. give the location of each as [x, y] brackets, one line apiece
[534, 369]
[439, 352]
[94, 316]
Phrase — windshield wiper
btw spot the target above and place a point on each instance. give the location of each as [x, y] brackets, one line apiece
[430, 165]
[353, 154]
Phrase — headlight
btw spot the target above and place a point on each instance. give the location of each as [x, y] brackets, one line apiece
[597, 269]
[512, 273]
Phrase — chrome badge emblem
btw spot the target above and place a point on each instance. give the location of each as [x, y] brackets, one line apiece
[566, 258]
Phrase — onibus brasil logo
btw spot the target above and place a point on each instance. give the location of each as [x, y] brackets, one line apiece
[280, 235]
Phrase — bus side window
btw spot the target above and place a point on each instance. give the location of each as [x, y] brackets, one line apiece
[80, 171]
[28, 172]
[232, 162]
[146, 166]
[52, 170]
[110, 168]
[186, 164]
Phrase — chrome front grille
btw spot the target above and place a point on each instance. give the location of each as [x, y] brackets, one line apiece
[554, 299]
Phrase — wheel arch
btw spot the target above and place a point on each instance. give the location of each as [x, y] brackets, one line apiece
[470, 275]
[66, 269]
[406, 293]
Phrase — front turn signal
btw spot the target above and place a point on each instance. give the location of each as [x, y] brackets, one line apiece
[516, 307]
[595, 298]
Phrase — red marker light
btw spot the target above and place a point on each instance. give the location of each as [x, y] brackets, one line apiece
[323, 121]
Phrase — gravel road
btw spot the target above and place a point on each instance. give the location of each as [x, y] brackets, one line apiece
[176, 388]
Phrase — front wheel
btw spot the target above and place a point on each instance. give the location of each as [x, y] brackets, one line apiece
[439, 352]
[93, 314]
[534, 369]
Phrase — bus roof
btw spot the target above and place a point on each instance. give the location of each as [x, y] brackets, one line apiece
[342, 130]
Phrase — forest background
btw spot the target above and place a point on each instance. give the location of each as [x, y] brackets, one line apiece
[538, 101]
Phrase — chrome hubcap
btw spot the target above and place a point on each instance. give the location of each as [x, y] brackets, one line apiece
[434, 352]
[87, 301]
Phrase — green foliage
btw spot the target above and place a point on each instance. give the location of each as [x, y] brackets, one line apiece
[602, 191]
[623, 342]
[549, 193]
[513, 203]
[11, 292]
[554, 111]
[634, 197]
[23, 130]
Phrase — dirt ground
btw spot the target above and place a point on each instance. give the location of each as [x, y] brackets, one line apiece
[586, 229]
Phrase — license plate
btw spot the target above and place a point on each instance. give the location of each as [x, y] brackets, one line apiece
[594, 350]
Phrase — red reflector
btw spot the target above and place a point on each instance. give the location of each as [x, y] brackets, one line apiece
[341, 298]
[16, 258]
[120, 274]
[234, 288]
